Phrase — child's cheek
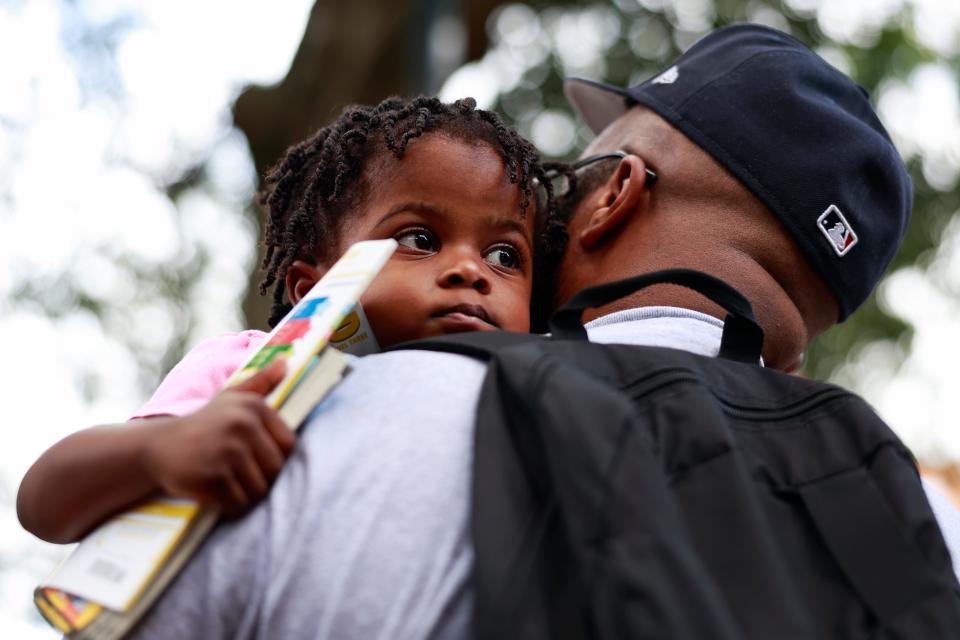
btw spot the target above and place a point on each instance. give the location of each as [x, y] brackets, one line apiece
[516, 310]
[375, 311]
[388, 310]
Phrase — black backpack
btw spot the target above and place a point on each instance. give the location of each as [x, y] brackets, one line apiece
[625, 492]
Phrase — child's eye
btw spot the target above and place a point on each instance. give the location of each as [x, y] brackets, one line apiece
[504, 257]
[417, 239]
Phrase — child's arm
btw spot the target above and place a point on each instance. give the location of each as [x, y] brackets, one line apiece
[226, 453]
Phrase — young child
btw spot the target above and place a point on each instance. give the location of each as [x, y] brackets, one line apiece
[451, 183]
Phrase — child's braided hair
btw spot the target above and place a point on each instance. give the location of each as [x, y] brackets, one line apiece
[308, 193]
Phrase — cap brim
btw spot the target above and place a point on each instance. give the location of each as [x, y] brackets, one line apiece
[597, 104]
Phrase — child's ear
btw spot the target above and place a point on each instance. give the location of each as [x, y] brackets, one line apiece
[300, 278]
[620, 196]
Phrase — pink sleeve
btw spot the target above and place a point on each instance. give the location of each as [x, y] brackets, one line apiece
[201, 374]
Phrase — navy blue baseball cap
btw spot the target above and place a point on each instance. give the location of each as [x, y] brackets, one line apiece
[796, 132]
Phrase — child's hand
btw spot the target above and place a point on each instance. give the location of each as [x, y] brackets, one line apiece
[228, 452]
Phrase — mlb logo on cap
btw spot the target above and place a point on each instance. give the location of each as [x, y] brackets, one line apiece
[837, 230]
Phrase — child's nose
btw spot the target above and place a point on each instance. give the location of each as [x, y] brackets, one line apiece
[464, 271]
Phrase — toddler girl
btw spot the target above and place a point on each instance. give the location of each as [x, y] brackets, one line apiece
[452, 184]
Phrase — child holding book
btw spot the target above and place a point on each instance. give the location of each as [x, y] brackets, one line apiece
[453, 185]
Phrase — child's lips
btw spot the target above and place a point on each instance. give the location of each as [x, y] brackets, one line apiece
[466, 317]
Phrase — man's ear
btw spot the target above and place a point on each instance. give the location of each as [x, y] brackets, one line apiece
[300, 278]
[619, 197]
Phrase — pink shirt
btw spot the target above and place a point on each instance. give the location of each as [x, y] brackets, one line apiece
[201, 374]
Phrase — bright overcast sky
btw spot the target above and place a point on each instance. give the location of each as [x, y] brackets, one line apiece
[82, 155]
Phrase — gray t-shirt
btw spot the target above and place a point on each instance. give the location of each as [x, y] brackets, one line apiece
[364, 534]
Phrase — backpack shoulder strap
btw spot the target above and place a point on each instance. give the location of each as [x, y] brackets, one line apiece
[742, 338]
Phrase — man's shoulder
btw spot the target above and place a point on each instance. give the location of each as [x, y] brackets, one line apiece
[407, 378]
[415, 361]
[948, 517]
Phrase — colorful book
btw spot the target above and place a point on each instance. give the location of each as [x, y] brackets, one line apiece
[116, 573]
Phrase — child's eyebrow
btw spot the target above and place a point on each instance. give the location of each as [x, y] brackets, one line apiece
[423, 207]
[508, 224]
[496, 221]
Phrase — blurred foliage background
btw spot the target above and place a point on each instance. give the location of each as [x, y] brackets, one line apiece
[132, 137]
[364, 50]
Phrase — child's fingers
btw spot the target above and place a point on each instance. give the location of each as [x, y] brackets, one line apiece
[231, 496]
[263, 381]
[277, 429]
[269, 454]
[250, 476]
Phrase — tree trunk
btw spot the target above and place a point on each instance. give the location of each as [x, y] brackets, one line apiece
[360, 51]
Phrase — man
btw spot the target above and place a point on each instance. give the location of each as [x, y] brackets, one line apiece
[748, 123]
[761, 151]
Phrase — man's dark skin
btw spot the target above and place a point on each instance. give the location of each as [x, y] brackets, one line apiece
[695, 216]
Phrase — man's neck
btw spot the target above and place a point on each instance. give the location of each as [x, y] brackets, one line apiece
[784, 328]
